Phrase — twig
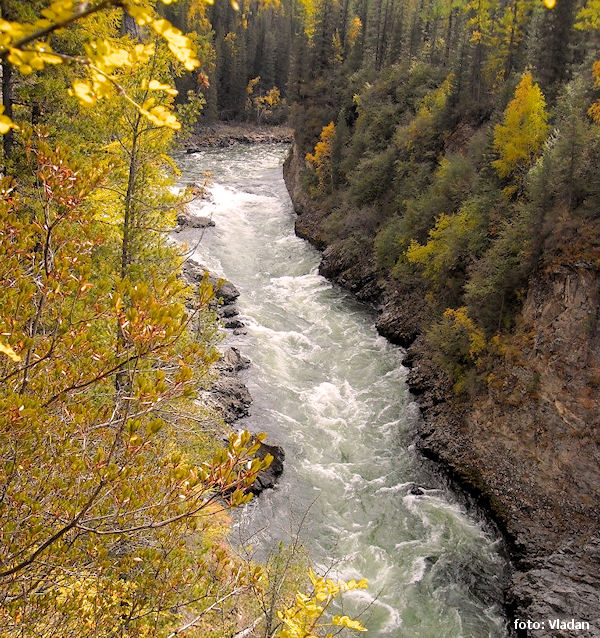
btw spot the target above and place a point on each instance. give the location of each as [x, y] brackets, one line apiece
[248, 630]
[197, 618]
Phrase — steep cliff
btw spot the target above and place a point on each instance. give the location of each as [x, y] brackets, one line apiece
[528, 443]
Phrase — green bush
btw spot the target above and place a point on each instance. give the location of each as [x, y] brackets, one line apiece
[452, 244]
[388, 247]
[498, 280]
[371, 179]
[452, 183]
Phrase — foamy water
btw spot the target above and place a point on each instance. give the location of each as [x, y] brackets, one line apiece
[333, 393]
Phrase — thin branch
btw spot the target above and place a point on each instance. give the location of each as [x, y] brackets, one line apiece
[164, 523]
[32, 364]
[42, 33]
[246, 632]
[85, 384]
[56, 536]
[120, 365]
[197, 618]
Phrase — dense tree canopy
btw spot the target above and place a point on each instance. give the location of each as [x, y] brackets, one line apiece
[462, 130]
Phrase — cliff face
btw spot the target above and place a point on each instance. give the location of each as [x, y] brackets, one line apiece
[529, 444]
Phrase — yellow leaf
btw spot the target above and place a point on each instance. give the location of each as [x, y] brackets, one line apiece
[5, 122]
[9, 352]
[83, 92]
[345, 621]
[59, 11]
[140, 15]
[162, 117]
[179, 44]
[155, 85]
[142, 53]
[28, 61]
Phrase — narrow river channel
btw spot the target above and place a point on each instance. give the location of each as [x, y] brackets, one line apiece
[333, 393]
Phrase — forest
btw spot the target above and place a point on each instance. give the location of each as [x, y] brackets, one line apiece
[451, 151]
[459, 150]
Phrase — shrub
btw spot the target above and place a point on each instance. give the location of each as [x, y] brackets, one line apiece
[458, 344]
[452, 182]
[388, 247]
[320, 160]
[454, 241]
[372, 177]
[496, 283]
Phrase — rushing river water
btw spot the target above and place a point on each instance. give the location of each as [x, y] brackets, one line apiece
[333, 393]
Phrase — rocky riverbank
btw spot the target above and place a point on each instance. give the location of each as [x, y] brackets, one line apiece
[220, 135]
[528, 448]
[228, 395]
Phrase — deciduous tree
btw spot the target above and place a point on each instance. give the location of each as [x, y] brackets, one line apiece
[519, 138]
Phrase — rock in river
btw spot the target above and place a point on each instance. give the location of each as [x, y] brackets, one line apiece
[267, 479]
[225, 290]
[185, 219]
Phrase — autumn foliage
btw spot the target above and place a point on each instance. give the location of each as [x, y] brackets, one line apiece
[320, 160]
[519, 138]
[114, 489]
[102, 484]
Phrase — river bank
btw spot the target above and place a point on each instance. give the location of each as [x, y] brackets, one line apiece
[228, 394]
[527, 449]
[222, 135]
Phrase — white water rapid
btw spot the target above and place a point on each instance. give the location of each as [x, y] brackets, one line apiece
[333, 393]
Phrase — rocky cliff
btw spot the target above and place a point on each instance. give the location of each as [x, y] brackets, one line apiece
[527, 445]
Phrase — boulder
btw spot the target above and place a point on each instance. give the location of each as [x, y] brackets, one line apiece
[224, 290]
[267, 479]
[228, 311]
[233, 323]
[193, 272]
[233, 361]
[185, 219]
[231, 397]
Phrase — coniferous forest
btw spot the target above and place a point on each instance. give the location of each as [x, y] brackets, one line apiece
[445, 157]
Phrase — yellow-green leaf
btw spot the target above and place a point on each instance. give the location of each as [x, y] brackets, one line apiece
[9, 352]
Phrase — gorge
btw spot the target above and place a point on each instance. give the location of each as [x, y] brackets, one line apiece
[334, 394]
[431, 364]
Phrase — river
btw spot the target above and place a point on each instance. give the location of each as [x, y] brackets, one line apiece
[333, 393]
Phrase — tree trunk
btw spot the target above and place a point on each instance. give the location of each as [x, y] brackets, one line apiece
[511, 42]
[128, 208]
[7, 102]
[448, 38]
[121, 380]
[7, 97]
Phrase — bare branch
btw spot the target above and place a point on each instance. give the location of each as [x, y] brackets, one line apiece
[197, 618]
